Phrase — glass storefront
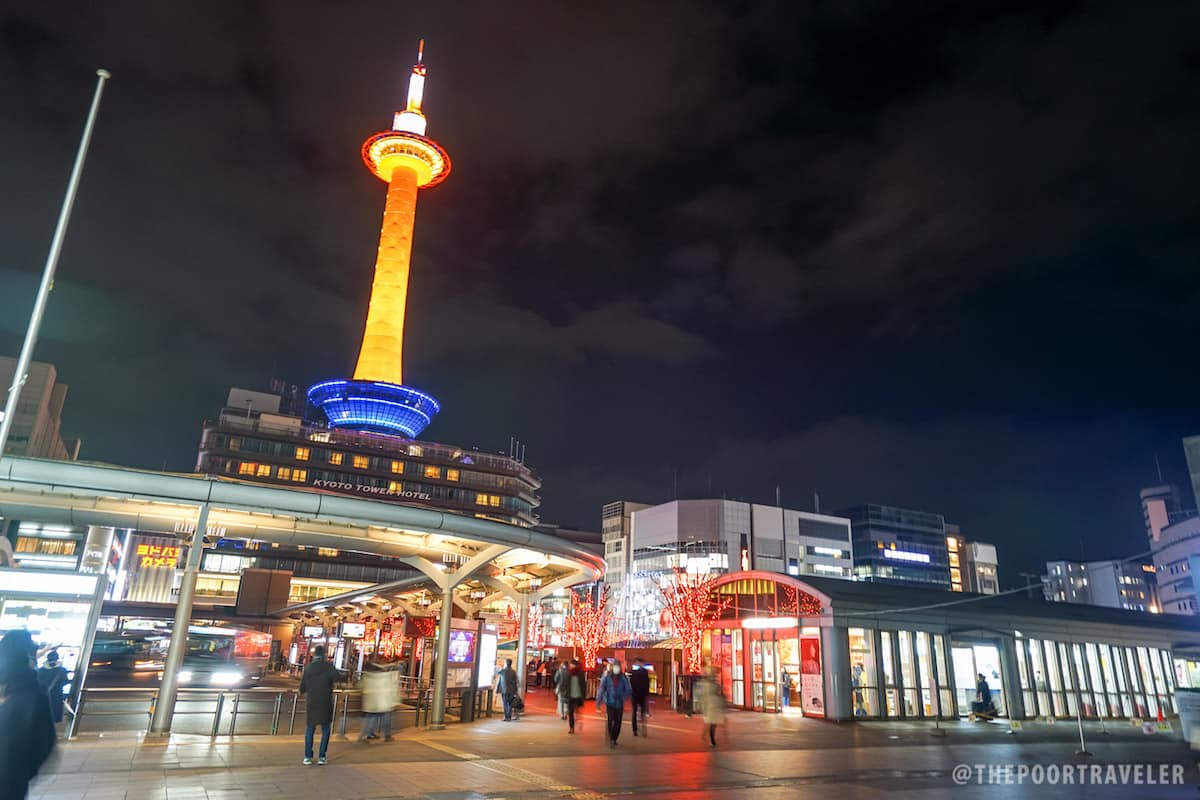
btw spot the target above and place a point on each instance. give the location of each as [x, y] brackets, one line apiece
[770, 660]
[864, 682]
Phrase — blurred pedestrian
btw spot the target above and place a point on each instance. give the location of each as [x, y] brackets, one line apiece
[27, 736]
[506, 685]
[560, 688]
[639, 683]
[52, 677]
[379, 697]
[317, 684]
[710, 703]
[613, 692]
[576, 689]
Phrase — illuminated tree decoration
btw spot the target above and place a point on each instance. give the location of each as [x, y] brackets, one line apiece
[809, 605]
[427, 626]
[535, 630]
[690, 605]
[588, 626]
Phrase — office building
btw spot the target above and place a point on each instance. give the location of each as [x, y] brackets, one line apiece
[973, 565]
[899, 545]
[1173, 533]
[616, 522]
[37, 430]
[1127, 584]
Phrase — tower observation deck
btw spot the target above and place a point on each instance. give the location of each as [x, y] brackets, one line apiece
[376, 399]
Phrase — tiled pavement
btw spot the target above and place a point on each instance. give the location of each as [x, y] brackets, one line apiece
[761, 757]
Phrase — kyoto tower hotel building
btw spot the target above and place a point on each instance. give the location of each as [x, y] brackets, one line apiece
[366, 444]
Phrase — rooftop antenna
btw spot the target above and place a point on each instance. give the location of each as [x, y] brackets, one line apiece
[1158, 467]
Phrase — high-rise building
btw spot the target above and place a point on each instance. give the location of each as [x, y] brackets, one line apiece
[37, 428]
[1158, 504]
[899, 545]
[728, 535]
[718, 536]
[1191, 450]
[1127, 584]
[250, 440]
[1174, 536]
[973, 565]
[616, 523]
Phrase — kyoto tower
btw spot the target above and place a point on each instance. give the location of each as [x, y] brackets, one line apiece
[375, 399]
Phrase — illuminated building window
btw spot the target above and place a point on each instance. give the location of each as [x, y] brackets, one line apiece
[361, 462]
[494, 500]
[284, 473]
[247, 468]
[329, 552]
[954, 559]
[481, 499]
[263, 471]
[398, 467]
[451, 474]
[302, 454]
[335, 458]
[395, 486]
[300, 475]
[235, 443]
[415, 450]
[432, 471]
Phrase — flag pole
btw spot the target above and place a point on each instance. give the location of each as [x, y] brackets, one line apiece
[20, 372]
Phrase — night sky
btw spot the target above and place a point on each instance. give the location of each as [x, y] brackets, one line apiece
[937, 255]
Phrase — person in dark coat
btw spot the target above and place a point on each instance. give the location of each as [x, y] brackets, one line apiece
[639, 683]
[52, 677]
[316, 684]
[27, 736]
[507, 685]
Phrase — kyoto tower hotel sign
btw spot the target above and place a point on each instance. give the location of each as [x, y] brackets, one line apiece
[376, 399]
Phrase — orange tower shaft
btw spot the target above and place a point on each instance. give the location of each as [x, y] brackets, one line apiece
[381, 356]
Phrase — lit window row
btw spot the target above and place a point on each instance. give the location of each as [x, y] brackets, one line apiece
[264, 471]
[482, 499]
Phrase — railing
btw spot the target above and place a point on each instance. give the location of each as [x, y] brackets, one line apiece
[259, 711]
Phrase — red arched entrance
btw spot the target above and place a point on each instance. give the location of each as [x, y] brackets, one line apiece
[766, 642]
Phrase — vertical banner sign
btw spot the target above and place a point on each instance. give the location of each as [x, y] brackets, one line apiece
[812, 690]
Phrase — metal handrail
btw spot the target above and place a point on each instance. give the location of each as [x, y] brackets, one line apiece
[416, 698]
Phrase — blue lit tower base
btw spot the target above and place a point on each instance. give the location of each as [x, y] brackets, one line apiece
[374, 406]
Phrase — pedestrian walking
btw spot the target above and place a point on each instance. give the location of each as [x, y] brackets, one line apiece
[316, 684]
[576, 689]
[710, 703]
[613, 692]
[27, 736]
[561, 690]
[639, 684]
[52, 677]
[506, 685]
[379, 696]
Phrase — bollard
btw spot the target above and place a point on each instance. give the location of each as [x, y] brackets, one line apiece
[216, 726]
[233, 720]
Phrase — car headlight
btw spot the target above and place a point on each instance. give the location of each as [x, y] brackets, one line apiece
[185, 675]
[149, 665]
[226, 678]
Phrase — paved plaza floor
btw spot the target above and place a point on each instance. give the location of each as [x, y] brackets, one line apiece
[759, 757]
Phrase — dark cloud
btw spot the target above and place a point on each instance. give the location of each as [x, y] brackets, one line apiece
[883, 238]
